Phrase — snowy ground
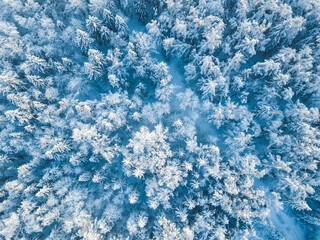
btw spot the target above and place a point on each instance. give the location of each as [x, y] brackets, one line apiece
[286, 225]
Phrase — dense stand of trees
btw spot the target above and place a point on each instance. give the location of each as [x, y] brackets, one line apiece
[198, 126]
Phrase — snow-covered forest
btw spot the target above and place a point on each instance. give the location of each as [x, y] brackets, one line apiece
[159, 119]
